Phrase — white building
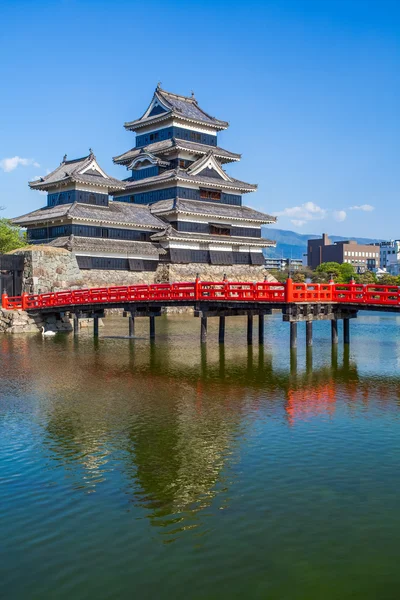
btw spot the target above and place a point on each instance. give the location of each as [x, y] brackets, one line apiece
[389, 256]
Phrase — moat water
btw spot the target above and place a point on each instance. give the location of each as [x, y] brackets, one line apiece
[131, 469]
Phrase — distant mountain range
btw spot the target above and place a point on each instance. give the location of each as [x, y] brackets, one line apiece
[292, 245]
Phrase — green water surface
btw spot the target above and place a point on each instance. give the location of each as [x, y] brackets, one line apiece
[131, 469]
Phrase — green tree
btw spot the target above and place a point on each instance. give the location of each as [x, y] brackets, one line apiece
[280, 276]
[10, 237]
[387, 279]
[341, 273]
[346, 273]
[325, 271]
[367, 277]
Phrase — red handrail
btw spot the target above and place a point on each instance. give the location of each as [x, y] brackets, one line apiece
[215, 291]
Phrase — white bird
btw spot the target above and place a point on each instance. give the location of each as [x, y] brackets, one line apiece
[47, 333]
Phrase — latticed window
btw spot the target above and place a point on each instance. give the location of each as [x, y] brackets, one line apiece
[210, 195]
[220, 230]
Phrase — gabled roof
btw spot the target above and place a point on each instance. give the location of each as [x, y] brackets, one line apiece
[165, 105]
[80, 170]
[147, 157]
[171, 234]
[210, 209]
[176, 175]
[117, 213]
[173, 144]
[208, 163]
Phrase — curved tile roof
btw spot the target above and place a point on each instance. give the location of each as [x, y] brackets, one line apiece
[117, 213]
[166, 146]
[87, 244]
[72, 171]
[181, 107]
[211, 209]
[170, 233]
[181, 175]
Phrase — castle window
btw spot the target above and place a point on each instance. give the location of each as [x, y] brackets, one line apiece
[104, 233]
[220, 229]
[210, 195]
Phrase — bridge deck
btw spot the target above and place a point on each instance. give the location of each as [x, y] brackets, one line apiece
[190, 293]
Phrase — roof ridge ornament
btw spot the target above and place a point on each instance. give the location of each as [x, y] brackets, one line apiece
[64, 159]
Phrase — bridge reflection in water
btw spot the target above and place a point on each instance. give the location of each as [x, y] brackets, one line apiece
[166, 422]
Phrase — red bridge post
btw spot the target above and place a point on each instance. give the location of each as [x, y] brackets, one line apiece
[4, 300]
[24, 299]
[289, 290]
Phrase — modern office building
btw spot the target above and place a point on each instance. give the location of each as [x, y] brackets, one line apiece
[390, 256]
[363, 257]
[281, 264]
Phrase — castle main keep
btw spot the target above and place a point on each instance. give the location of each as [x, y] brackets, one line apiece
[178, 213]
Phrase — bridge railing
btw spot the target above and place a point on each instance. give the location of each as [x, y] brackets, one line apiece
[212, 291]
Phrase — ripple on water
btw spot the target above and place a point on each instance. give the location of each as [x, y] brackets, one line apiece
[170, 469]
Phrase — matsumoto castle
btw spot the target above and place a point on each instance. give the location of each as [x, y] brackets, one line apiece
[177, 207]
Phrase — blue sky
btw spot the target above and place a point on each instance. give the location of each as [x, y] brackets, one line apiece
[310, 88]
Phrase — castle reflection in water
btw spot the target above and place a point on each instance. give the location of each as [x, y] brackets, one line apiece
[169, 420]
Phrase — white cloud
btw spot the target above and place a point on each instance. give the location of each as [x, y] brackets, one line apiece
[339, 215]
[305, 212]
[9, 164]
[364, 207]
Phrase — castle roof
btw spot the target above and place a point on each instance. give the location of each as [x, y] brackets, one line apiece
[210, 209]
[165, 105]
[171, 234]
[116, 213]
[89, 244]
[80, 170]
[177, 175]
[168, 146]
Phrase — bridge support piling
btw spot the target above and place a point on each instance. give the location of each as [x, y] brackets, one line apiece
[309, 356]
[96, 327]
[261, 329]
[309, 339]
[131, 325]
[334, 331]
[249, 329]
[293, 361]
[76, 324]
[221, 332]
[152, 327]
[346, 331]
[293, 334]
[203, 330]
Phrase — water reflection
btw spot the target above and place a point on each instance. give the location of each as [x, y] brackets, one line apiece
[168, 419]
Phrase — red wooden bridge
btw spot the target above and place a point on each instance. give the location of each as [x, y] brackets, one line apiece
[297, 301]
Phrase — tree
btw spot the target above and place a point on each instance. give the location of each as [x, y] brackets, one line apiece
[365, 278]
[347, 273]
[327, 269]
[341, 273]
[10, 237]
[387, 279]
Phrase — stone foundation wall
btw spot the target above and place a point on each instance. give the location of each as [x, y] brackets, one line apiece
[49, 269]
[217, 272]
[100, 278]
[19, 321]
